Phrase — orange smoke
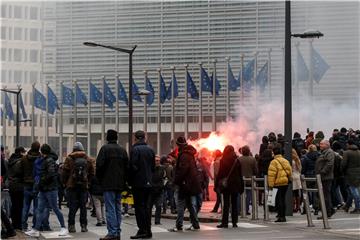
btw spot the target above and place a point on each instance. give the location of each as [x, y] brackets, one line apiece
[213, 142]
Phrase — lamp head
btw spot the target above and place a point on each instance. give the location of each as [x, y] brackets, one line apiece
[91, 44]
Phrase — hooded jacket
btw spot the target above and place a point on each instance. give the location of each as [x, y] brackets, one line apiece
[279, 172]
[351, 165]
[27, 168]
[14, 172]
[308, 164]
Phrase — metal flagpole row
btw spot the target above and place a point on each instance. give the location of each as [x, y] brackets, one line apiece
[61, 129]
[173, 104]
[103, 112]
[89, 120]
[227, 89]
[159, 115]
[4, 120]
[214, 97]
[75, 111]
[186, 124]
[200, 103]
[47, 114]
[145, 104]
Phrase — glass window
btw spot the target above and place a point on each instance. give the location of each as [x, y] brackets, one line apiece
[26, 77]
[34, 34]
[3, 54]
[10, 76]
[17, 33]
[17, 12]
[26, 53]
[9, 54]
[3, 75]
[34, 13]
[17, 76]
[10, 11]
[3, 32]
[26, 12]
[3, 10]
[34, 55]
[33, 76]
[17, 55]
[10, 33]
[25, 34]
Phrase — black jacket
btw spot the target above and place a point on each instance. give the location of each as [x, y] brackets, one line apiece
[95, 187]
[266, 159]
[298, 144]
[14, 172]
[186, 175]
[141, 165]
[308, 164]
[111, 165]
[27, 168]
[49, 174]
[158, 178]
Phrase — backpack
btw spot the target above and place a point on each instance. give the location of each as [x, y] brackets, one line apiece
[80, 171]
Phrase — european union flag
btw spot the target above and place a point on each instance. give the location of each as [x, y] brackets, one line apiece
[80, 96]
[68, 96]
[95, 94]
[122, 93]
[176, 89]
[52, 101]
[22, 107]
[248, 74]
[109, 96]
[206, 85]
[302, 71]
[191, 88]
[151, 96]
[320, 66]
[262, 77]
[135, 92]
[217, 84]
[233, 84]
[8, 108]
[162, 91]
[39, 100]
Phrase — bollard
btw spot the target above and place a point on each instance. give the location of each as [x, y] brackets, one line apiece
[306, 201]
[243, 204]
[253, 201]
[266, 195]
[322, 202]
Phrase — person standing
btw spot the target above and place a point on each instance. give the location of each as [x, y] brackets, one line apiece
[77, 173]
[156, 196]
[279, 174]
[325, 167]
[296, 170]
[111, 163]
[141, 170]
[216, 166]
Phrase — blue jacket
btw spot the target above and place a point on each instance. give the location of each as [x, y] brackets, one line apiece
[308, 164]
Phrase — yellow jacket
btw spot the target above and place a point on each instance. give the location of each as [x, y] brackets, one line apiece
[279, 172]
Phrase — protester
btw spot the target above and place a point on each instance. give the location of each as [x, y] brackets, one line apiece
[158, 182]
[309, 139]
[279, 174]
[169, 185]
[230, 183]
[141, 170]
[97, 195]
[78, 171]
[298, 143]
[216, 166]
[111, 170]
[203, 177]
[296, 182]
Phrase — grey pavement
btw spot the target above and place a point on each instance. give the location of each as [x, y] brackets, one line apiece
[343, 226]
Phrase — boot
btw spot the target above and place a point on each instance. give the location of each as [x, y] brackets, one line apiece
[71, 228]
[83, 228]
[297, 204]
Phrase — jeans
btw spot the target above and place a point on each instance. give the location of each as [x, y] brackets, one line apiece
[156, 199]
[199, 201]
[48, 200]
[169, 196]
[248, 199]
[99, 208]
[113, 212]
[190, 203]
[353, 194]
[77, 198]
[142, 198]
[280, 200]
[218, 201]
[234, 208]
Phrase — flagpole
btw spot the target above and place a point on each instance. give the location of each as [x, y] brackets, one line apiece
[269, 72]
[61, 122]
[311, 82]
[255, 84]
[4, 120]
[103, 112]
[75, 111]
[117, 104]
[200, 102]
[89, 120]
[242, 78]
[297, 74]
[227, 59]
[214, 97]
[159, 115]
[186, 124]
[173, 104]
[32, 114]
[47, 114]
[145, 104]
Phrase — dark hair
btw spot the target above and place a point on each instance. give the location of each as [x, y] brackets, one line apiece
[35, 146]
[45, 149]
[19, 150]
[245, 150]
[351, 142]
[277, 149]
[343, 130]
[265, 139]
[297, 135]
[163, 159]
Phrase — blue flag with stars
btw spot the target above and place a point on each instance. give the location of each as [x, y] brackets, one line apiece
[262, 77]
[302, 71]
[135, 92]
[217, 85]
[232, 82]
[248, 74]
[320, 66]
[162, 92]
[8, 108]
[22, 107]
[109, 97]
[52, 101]
[68, 96]
[80, 96]
[39, 100]
[149, 98]
[176, 89]
[122, 93]
[191, 88]
[95, 94]
[206, 85]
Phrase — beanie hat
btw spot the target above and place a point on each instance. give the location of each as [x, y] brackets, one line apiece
[181, 141]
[45, 149]
[78, 147]
[111, 135]
[35, 146]
[139, 134]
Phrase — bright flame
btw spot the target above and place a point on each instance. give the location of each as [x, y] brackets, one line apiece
[211, 143]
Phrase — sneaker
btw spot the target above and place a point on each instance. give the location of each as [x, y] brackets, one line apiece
[63, 232]
[126, 215]
[103, 222]
[99, 224]
[192, 228]
[176, 229]
[33, 233]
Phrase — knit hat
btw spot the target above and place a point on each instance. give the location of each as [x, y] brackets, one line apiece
[181, 141]
[139, 134]
[78, 147]
[45, 149]
[111, 135]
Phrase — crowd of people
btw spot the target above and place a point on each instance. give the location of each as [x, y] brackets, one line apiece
[36, 181]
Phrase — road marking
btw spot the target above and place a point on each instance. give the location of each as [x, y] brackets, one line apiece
[158, 229]
[286, 237]
[54, 235]
[330, 220]
[250, 225]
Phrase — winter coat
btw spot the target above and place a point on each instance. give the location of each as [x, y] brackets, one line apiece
[111, 167]
[69, 168]
[95, 187]
[169, 169]
[202, 174]
[266, 159]
[308, 164]
[14, 172]
[186, 176]
[141, 165]
[351, 165]
[296, 182]
[325, 164]
[298, 144]
[158, 178]
[248, 167]
[279, 172]
[48, 177]
[338, 171]
[342, 139]
[27, 168]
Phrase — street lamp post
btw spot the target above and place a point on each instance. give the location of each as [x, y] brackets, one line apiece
[130, 52]
[145, 93]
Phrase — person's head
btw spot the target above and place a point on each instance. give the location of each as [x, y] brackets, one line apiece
[311, 134]
[228, 151]
[245, 150]
[297, 135]
[45, 149]
[78, 147]
[163, 160]
[350, 142]
[35, 146]
[157, 160]
[312, 148]
[335, 132]
[324, 144]
[20, 151]
[336, 146]
[272, 137]
[343, 130]
[140, 136]
[277, 149]
[111, 135]
[265, 140]
[181, 142]
[217, 153]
